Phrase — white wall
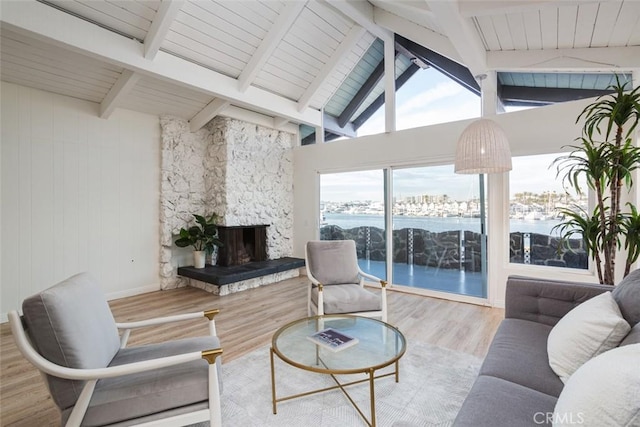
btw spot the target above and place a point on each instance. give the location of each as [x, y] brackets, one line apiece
[78, 193]
[534, 131]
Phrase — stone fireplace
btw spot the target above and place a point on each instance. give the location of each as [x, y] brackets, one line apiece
[244, 173]
[242, 244]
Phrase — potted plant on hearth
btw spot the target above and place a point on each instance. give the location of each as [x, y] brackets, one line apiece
[203, 237]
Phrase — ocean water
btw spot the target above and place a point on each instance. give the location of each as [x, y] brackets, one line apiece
[436, 224]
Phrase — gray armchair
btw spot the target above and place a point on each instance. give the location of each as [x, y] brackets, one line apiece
[70, 335]
[337, 282]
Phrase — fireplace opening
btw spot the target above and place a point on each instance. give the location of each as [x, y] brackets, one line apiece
[242, 244]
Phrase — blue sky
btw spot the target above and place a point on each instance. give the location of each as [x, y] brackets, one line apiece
[429, 97]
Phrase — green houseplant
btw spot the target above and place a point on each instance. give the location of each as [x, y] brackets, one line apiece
[605, 158]
[203, 236]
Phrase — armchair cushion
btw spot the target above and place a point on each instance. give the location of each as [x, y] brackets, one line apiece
[71, 325]
[349, 298]
[333, 262]
[146, 393]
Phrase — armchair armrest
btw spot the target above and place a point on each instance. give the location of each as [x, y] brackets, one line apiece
[167, 319]
[128, 326]
[383, 283]
[97, 373]
[546, 301]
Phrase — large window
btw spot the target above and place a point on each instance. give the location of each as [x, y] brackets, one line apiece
[537, 198]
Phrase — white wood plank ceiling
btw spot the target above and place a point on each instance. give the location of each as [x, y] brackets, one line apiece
[286, 58]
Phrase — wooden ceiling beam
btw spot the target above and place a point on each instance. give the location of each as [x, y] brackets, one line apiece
[280, 122]
[455, 71]
[362, 94]
[262, 54]
[361, 12]
[118, 91]
[351, 39]
[204, 116]
[379, 101]
[159, 28]
[331, 125]
[419, 34]
[61, 29]
[463, 36]
[522, 95]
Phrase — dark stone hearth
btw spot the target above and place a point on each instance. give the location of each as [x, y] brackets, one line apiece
[217, 275]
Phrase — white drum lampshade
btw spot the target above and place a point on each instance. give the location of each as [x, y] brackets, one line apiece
[483, 148]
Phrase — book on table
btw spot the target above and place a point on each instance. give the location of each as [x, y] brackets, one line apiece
[332, 339]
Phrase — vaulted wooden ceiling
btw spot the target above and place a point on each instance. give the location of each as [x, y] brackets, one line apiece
[288, 60]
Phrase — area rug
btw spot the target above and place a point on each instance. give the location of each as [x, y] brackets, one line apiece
[433, 384]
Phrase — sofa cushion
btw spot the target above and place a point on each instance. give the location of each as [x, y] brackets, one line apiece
[494, 402]
[518, 354]
[605, 391]
[588, 330]
[71, 325]
[145, 393]
[627, 295]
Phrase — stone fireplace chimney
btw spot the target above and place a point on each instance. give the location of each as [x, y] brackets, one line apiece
[241, 171]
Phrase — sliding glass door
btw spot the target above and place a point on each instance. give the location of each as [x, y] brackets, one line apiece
[438, 224]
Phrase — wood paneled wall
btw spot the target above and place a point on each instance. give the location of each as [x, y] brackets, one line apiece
[79, 193]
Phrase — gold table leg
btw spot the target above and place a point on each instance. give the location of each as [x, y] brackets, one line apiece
[373, 398]
[273, 381]
[371, 380]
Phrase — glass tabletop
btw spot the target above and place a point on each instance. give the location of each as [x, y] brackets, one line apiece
[378, 344]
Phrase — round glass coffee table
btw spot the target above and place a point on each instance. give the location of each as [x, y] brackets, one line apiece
[376, 345]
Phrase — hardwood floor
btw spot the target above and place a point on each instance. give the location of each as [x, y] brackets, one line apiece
[246, 321]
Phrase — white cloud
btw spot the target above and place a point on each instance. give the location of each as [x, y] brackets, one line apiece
[423, 100]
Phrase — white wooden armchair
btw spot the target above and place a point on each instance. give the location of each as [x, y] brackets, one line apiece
[337, 282]
[70, 335]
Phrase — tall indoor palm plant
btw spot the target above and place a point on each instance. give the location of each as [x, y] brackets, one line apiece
[606, 157]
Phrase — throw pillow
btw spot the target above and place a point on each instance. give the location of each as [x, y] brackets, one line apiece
[605, 391]
[627, 295]
[591, 328]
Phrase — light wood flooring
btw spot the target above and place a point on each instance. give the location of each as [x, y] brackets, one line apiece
[247, 321]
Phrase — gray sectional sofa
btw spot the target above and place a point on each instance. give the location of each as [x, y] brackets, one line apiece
[516, 386]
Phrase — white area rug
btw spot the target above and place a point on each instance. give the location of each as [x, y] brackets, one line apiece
[433, 384]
